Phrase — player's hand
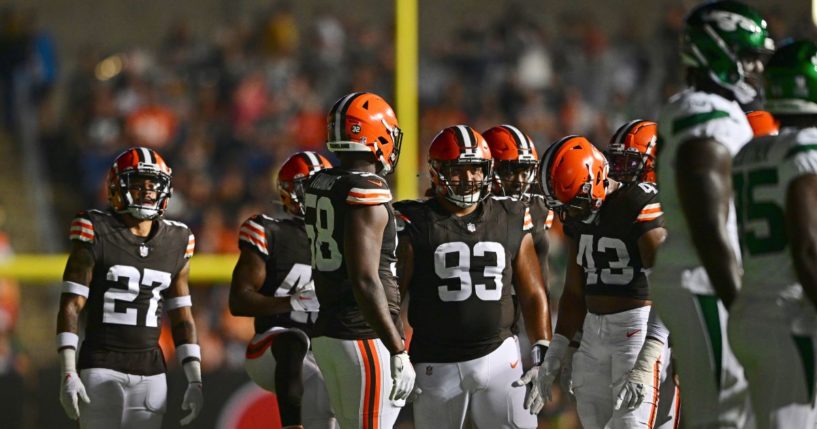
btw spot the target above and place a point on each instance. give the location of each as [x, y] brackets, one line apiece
[193, 402]
[631, 394]
[304, 299]
[402, 374]
[566, 376]
[550, 368]
[71, 391]
[533, 398]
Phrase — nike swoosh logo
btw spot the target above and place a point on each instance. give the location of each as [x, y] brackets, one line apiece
[515, 364]
[374, 182]
[631, 333]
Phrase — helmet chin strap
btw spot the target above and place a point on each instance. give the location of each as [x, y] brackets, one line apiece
[463, 201]
[143, 213]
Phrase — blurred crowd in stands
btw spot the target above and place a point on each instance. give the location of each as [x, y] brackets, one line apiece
[227, 106]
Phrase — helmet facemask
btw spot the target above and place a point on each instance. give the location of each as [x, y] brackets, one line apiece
[582, 208]
[448, 180]
[143, 182]
[626, 164]
[515, 178]
[292, 195]
[388, 164]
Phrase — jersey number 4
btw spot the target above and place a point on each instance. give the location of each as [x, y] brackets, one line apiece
[462, 270]
[326, 254]
[133, 280]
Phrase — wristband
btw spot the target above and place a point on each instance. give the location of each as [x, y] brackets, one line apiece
[68, 340]
[188, 352]
[75, 288]
[538, 351]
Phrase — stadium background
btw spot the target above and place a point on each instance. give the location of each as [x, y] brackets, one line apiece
[225, 90]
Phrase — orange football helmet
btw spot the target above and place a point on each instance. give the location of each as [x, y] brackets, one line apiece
[139, 163]
[292, 177]
[457, 157]
[574, 178]
[515, 160]
[364, 122]
[763, 123]
[632, 151]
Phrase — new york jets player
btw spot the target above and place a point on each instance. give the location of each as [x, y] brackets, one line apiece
[697, 274]
[775, 182]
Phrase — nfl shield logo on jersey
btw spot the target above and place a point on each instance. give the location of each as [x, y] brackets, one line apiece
[144, 250]
[472, 227]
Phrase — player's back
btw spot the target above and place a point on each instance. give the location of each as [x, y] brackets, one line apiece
[329, 200]
[692, 115]
[126, 294]
[460, 294]
[762, 172]
[283, 245]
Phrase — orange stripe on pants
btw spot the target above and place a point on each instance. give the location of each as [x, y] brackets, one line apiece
[656, 382]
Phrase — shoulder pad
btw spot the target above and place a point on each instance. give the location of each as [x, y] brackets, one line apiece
[367, 189]
[253, 234]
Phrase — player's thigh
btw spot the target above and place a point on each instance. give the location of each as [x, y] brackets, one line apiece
[497, 404]
[105, 389]
[145, 402]
[316, 409]
[443, 403]
[780, 372]
[259, 361]
[591, 381]
[358, 379]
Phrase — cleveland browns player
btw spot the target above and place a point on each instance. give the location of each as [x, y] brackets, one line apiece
[631, 154]
[358, 337]
[460, 254]
[126, 265]
[612, 232]
[272, 282]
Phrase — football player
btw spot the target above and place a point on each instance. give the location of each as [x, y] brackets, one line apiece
[772, 323]
[698, 273]
[358, 337]
[459, 256]
[613, 232]
[631, 154]
[126, 265]
[272, 282]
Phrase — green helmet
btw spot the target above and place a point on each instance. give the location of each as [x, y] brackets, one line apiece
[791, 79]
[717, 35]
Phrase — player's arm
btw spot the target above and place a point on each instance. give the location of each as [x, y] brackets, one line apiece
[530, 288]
[188, 352]
[542, 246]
[572, 307]
[801, 228]
[648, 245]
[704, 182]
[248, 277]
[363, 237]
[76, 278]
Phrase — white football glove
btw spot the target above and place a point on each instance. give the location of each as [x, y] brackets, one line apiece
[551, 365]
[566, 377]
[533, 398]
[402, 374]
[71, 391]
[193, 397]
[639, 380]
[193, 402]
[304, 299]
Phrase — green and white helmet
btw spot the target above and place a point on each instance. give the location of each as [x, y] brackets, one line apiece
[717, 36]
[791, 79]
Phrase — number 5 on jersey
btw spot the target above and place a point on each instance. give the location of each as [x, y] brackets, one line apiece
[325, 252]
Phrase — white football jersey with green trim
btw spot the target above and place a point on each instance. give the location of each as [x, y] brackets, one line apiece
[762, 172]
[689, 115]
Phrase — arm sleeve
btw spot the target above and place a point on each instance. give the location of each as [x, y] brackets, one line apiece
[368, 190]
[650, 216]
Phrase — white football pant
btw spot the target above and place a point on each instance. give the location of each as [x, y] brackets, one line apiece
[714, 391]
[122, 401]
[778, 359]
[479, 390]
[609, 348]
[358, 379]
